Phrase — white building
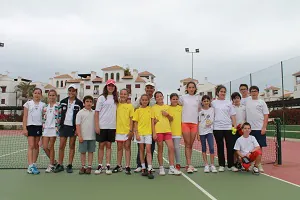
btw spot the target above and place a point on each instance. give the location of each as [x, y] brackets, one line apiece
[92, 84]
[273, 93]
[297, 85]
[205, 88]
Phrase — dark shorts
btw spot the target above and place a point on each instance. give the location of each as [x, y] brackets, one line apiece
[67, 131]
[35, 131]
[106, 135]
[261, 139]
[87, 146]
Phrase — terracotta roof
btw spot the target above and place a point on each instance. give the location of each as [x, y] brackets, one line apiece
[49, 86]
[272, 88]
[63, 76]
[139, 79]
[97, 79]
[116, 67]
[74, 81]
[127, 77]
[189, 80]
[296, 74]
[146, 73]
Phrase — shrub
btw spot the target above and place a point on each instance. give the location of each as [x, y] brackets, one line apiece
[291, 116]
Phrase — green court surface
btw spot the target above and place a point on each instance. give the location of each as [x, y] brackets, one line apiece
[17, 185]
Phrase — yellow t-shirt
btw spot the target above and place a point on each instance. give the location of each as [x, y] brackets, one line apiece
[124, 113]
[163, 124]
[175, 112]
[143, 117]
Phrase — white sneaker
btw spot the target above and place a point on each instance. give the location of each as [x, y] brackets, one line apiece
[108, 171]
[174, 171]
[49, 169]
[29, 170]
[221, 169]
[152, 170]
[99, 170]
[194, 169]
[255, 171]
[138, 170]
[234, 169]
[213, 169]
[190, 170]
[206, 169]
[162, 171]
[260, 168]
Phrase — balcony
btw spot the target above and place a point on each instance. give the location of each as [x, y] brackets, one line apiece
[96, 92]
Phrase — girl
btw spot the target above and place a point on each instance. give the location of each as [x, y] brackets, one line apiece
[162, 132]
[105, 123]
[206, 119]
[190, 108]
[143, 133]
[51, 117]
[32, 128]
[175, 111]
[223, 121]
[124, 131]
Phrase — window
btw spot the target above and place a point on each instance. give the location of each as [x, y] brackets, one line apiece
[3, 89]
[128, 87]
[58, 98]
[118, 77]
[87, 87]
[46, 91]
[96, 87]
[61, 83]
[2, 101]
[112, 76]
[106, 77]
[201, 93]
[65, 83]
[137, 86]
[209, 94]
[57, 84]
[275, 92]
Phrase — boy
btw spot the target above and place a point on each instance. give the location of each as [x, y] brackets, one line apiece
[257, 115]
[248, 149]
[85, 128]
[245, 93]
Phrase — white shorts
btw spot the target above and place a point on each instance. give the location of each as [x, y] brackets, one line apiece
[176, 136]
[49, 132]
[121, 137]
[145, 139]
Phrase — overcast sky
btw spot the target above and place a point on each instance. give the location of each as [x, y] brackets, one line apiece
[234, 37]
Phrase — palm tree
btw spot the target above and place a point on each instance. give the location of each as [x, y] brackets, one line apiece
[25, 89]
[127, 72]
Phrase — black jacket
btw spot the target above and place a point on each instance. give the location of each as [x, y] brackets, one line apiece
[64, 106]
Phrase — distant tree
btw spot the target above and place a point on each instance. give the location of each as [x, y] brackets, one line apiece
[25, 89]
[127, 72]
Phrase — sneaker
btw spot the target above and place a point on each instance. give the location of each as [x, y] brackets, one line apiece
[206, 169]
[221, 169]
[234, 169]
[251, 166]
[238, 165]
[98, 170]
[178, 167]
[128, 171]
[162, 171]
[34, 170]
[138, 170]
[117, 169]
[144, 172]
[29, 171]
[190, 170]
[174, 171]
[150, 174]
[55, 163]
[261, 169]
[69, 168]
[58, 168]
[88, 170]
[255, 171]
[108, 170]
[213, 169]
[82, 170]
[49, 169]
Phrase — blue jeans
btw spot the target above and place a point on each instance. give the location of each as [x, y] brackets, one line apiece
[210, 140]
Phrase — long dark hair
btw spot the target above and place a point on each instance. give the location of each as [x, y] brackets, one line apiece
[115, 94]
[187, 85]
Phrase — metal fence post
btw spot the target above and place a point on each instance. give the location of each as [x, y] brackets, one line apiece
[250, 79]
[278, 140]
[229, 88]
[283, 103]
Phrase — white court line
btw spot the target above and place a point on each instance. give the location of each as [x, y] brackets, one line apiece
[261, 173]
[194, 183]
[13, 153]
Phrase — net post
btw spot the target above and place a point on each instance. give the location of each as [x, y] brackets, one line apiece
[278, 141]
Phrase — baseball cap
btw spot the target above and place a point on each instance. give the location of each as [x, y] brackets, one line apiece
[111, 81]
[72, 86]
[150, 84]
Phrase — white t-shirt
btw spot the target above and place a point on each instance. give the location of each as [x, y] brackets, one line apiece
[136, 104]
[50, 120]
[244, 100]
[34, 113]
[85, 118]
[206, 119]
[191, 105]
[107, 112]
[240, 114]
[69, 114]
[255, 111]
[245, 145]
[223, 112]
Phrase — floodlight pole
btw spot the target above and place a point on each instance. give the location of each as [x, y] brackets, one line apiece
[187, 50]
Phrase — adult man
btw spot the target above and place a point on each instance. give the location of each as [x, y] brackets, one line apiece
[149, 89]
[245, 94]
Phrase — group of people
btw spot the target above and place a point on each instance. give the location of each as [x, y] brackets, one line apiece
[148, 121]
